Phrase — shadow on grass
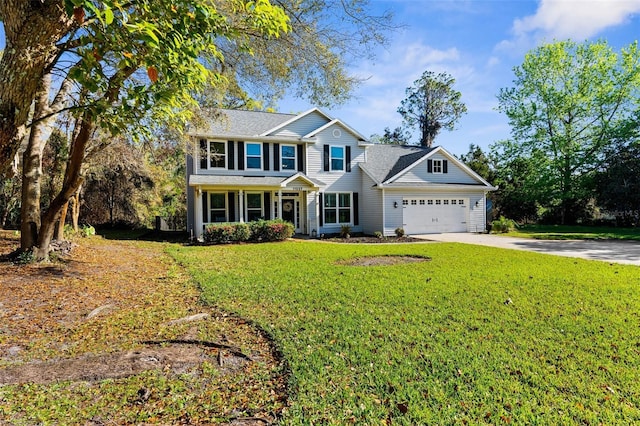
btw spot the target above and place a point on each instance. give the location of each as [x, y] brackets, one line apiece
[143, 235]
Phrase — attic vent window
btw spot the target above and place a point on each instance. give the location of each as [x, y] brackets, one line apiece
[337, 133]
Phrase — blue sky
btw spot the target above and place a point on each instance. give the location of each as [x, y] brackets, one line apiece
[478, 42]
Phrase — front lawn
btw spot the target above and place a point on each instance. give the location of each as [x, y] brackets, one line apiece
[475, 335]
[566, 232]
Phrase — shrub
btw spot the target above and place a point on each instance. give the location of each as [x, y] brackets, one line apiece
[345, 231]
[399, 232]
[258, 231]
[378, 235]
[502, 225]
[270, 230]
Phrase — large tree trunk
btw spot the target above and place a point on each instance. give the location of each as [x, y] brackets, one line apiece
[71, 184]
[32, 29]
[75, 209]
[32, 172]
[59, 231]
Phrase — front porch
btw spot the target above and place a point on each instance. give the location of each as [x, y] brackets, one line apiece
[245, 199]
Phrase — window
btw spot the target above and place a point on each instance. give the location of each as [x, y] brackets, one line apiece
[453, 202]
[212, 154]
[422, 202]
[254, 206]
[413, 202]
[405, 202]
[438, 202]
[288, 157]
[337, 158]
[446, 202]
[254, 155]
[437, 166]
[337, 208]
[217, 207]
[461, 202]
[430, 202]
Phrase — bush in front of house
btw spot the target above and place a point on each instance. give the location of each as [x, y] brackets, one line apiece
[258, 231]
[270, 230]
[502, 225]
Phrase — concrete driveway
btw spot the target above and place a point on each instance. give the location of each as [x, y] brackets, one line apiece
[606, 250]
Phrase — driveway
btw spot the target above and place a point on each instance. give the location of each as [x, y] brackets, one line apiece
[617, 251]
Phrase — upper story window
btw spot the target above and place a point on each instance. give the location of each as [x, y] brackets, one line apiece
[213, 154]
[437, 166]
[288, 157]
[337, 158]
[254, 156]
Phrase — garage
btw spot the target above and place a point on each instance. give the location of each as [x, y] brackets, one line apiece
[434, 215]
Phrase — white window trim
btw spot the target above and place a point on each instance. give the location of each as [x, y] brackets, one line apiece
[224, 159]
[440, 166]
[246, 156]
[295, 157]
[246, 204]
[343, 158]
[337, 209]
[226, 207]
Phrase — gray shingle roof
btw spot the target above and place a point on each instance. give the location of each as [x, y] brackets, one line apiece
[386, 161]
[246, 123]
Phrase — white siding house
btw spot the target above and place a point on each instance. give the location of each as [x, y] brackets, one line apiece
[320, 174]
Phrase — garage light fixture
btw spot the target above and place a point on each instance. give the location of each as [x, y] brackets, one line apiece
[395, 204]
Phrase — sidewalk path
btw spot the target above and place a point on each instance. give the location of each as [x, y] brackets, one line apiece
[618, 251]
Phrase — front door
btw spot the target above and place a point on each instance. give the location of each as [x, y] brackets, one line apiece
[289, 212]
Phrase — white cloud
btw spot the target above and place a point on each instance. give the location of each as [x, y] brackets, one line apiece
[576, 19]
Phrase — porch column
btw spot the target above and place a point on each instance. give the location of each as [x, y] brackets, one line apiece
[198, 219]
[241, 205]
[317, 211]
[279, 203]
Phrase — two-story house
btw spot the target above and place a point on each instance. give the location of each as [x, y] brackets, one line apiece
[319, 174]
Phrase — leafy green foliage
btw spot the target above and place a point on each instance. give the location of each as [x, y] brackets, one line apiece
[570, 101]
[256, 231]
[399, 232]
[432, 104]
[476, 335]
[502, 225]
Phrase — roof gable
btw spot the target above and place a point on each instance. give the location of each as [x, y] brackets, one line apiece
[337, 122]
[296, 118]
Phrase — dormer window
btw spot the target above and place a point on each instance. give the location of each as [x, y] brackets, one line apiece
[437, 166]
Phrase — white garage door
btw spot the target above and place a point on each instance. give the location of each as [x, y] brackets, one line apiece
[434, 215]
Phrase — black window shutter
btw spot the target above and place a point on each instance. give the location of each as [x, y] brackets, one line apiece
[240, 155]
[429, 166]
[348, 158]
[321, 208]
[231, 206]
[265, 156]
[267, 205]
[300, 158]
[231, 161]
[205, 209]
[356, 210]
[445, 166]
[326, 158]
[276, 157]
[203, 154]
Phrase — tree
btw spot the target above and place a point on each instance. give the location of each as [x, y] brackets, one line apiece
[398, 136]
[137, 65]
[568, 103]
[478, 161]
[33, 30]
[432, 104]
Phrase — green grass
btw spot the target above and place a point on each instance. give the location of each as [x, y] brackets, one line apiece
[435, 342]
[565, 232]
